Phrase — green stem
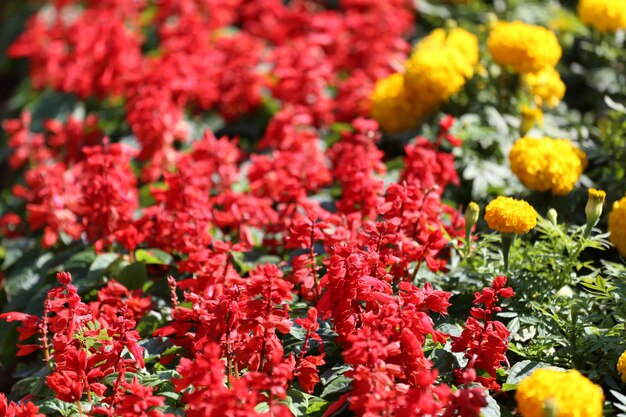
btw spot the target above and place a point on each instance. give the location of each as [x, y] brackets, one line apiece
[507, 241]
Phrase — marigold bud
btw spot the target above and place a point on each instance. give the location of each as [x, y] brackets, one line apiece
[593, 210]
[553, 216]
[472, 214]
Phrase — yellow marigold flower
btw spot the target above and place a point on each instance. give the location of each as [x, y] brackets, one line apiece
[392, 106]
[621, 366]
[524, 48]
[440, 65]
[603, 15]
[508, 215]
[569, 394]
[617, 225]
[546, 86]
[547, 164]
[460, 39]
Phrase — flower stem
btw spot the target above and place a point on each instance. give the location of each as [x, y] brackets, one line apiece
[507, 241]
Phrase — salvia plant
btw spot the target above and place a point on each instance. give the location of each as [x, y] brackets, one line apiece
[313, 208]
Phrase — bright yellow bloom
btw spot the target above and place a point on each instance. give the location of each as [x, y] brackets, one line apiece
[621, 366]
[604, 15]
[460, 39]
[570, 393]
[392, 106]
[434, 74]
[508, 215]
[438, 68]
[524, 48]
[617, 225]
[546, 86]
[547, 164]
[440, 65]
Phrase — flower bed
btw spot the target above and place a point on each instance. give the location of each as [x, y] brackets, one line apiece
[313, 208]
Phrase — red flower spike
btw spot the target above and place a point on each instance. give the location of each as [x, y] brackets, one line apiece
[485, 341]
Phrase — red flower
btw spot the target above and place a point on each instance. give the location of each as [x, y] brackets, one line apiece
[485, 341]
[24, 409]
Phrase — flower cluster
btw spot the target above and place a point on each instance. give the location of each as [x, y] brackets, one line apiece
[84, 343]
[603, 15]
[23, 409]
[547, 164]
[485, 340]
[508, 215]
[566, 394]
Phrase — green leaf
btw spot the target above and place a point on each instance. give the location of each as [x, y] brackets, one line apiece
[56, 406]
[508, 387]
[52, 105]
[14, 249]
[153, 257]
[316, 405]
[523, 369]
[298, 402]
[101, 264]
[492, 409]
[338, 385]
[133, 276]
